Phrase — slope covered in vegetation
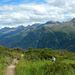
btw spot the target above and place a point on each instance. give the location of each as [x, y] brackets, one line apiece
[53, 35]
[38, 62]
[6, 57]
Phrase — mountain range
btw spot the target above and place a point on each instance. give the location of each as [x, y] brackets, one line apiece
[52, 34]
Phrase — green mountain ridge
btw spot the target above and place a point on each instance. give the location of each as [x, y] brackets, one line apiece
[50, 35]
[10, 31]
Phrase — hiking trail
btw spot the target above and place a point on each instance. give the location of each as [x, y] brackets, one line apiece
[10, 70]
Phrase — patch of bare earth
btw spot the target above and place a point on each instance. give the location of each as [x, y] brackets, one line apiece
[10, 70]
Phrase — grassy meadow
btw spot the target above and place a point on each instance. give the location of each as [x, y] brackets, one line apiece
[38, 62]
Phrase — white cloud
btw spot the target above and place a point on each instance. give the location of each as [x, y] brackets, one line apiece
[13, 15]
[1, 26]
[7, 8]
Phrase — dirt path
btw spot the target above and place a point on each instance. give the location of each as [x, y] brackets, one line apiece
[10, 70]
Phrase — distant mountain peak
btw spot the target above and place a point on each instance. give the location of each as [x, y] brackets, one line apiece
[20, 27]
[33, 26]
[51, 22]
[6, 28]
[73, 20]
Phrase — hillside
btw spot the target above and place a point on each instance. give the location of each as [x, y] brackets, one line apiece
[10, 31]
[70, 46]
[10, 36]
[6, 57]
[36, 61]
[53, 35]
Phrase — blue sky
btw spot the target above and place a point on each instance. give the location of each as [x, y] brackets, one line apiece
[66, 12]
[11, 2]
[24, 12]
[17, 2]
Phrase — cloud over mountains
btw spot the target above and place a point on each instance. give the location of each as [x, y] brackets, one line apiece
[13, 15]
